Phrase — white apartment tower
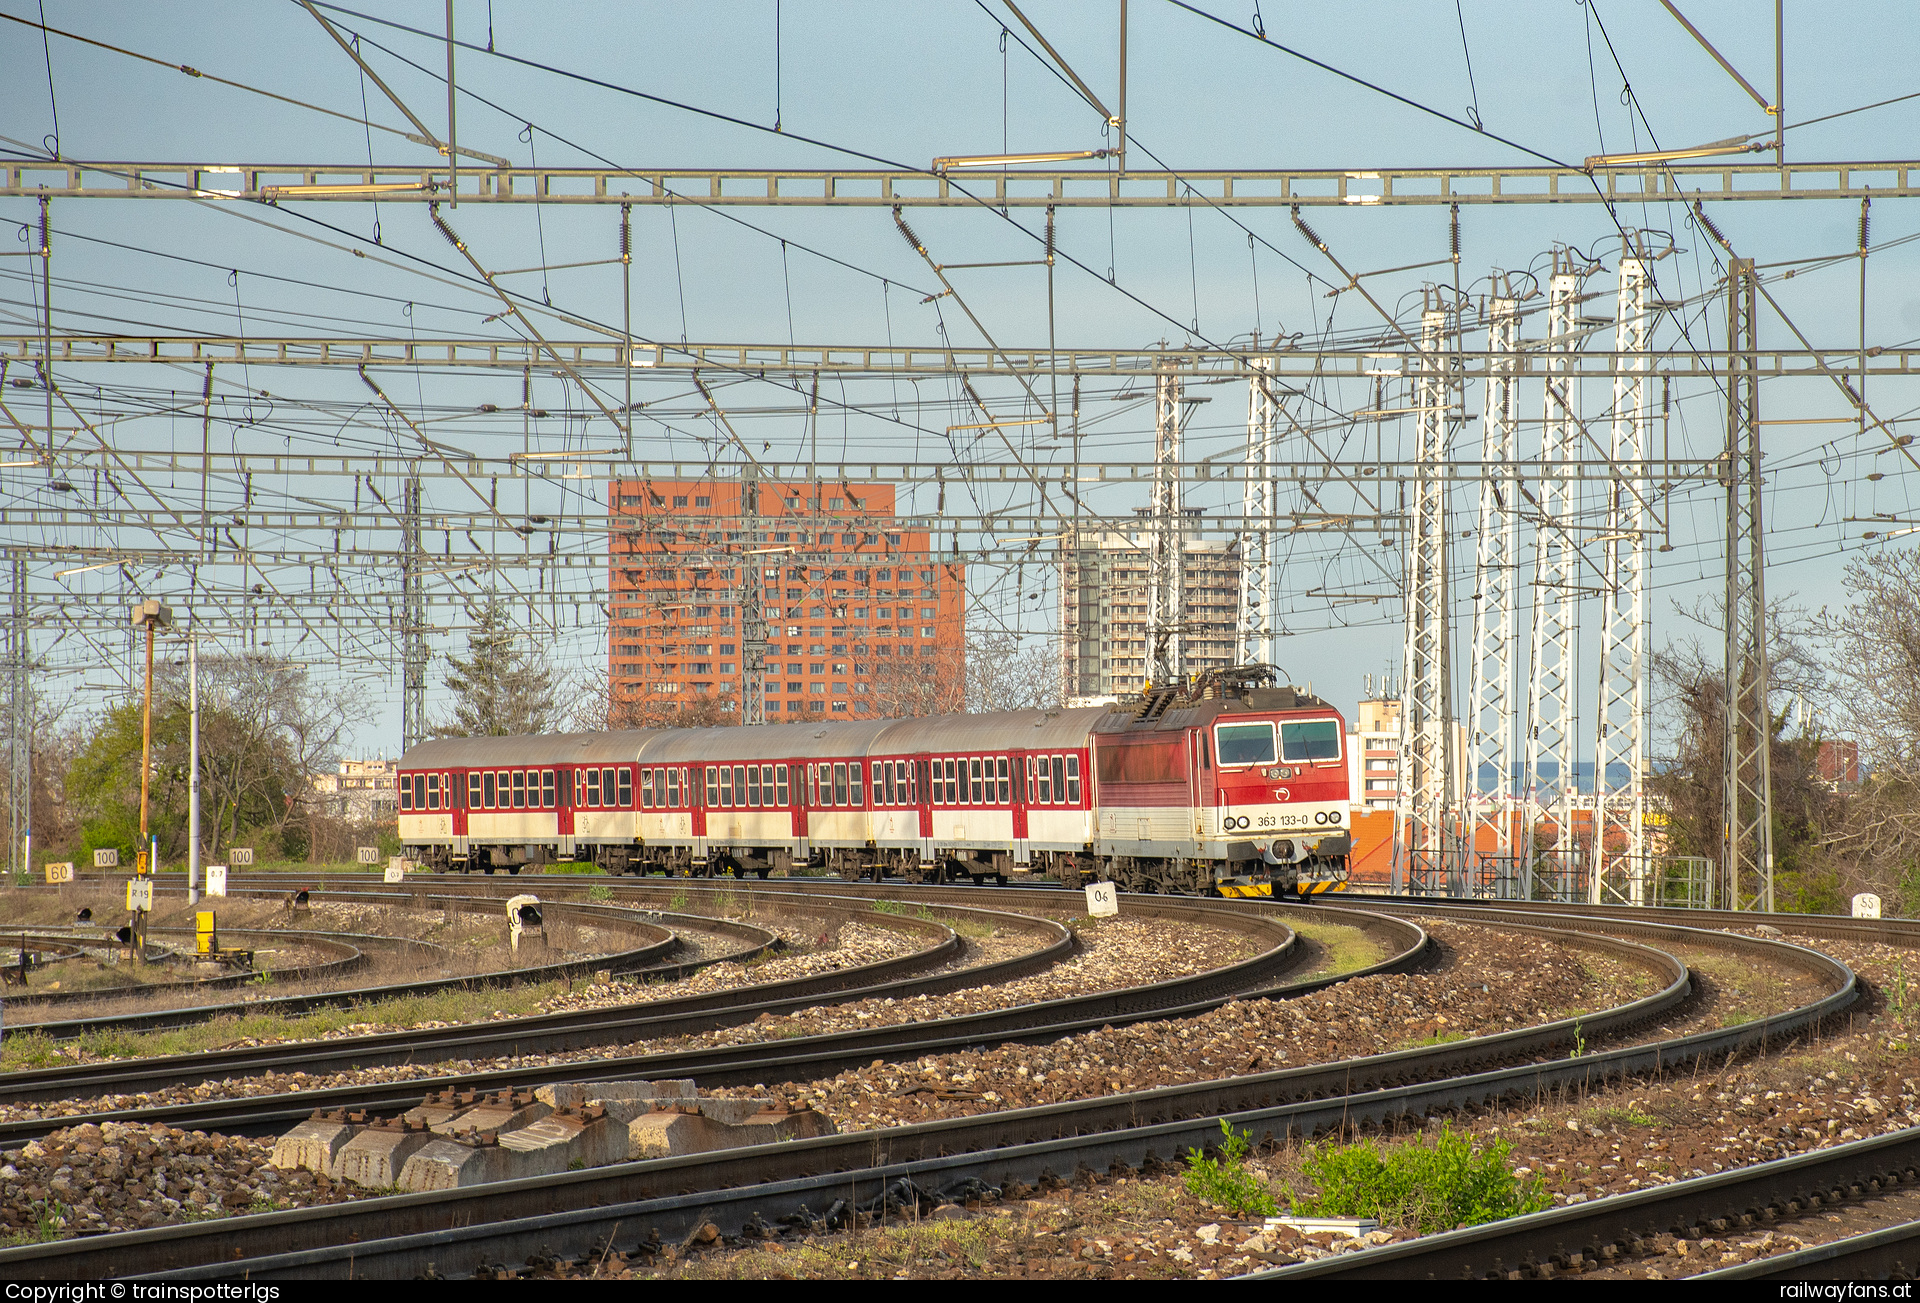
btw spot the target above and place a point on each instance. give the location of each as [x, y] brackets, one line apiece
[1104, 617]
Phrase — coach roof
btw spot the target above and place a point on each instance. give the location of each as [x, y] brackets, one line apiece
[524, 752]
[695, 746]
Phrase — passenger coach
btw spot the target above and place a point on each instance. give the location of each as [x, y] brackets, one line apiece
[1226, 784]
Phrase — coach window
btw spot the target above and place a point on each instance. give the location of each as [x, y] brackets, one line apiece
[474, 799]
[840, 785]
[726, 786]
[626, 787]
[519, 790]
[780, 785]
[1059, 781]
[591, 794]
[673, 789]
[1315, 739]
[739, 784]
[490, 794]
[1045, 781]
[433, 791]
[887, 775]
[548, 790]
[1246, 744]
[1073, 780]
[753, 785]
[406, 792]
[1000, 770]
[938, 794]
[646, 789]
[606, 786]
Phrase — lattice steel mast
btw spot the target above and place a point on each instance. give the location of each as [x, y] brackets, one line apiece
[753, 611]
[1166, 562]
[1553, 667]
[1495, 570]
[414, 655]
[1620, 868]
[1256, 517]
[1426, 768]
[19, 725]
[1747, 780]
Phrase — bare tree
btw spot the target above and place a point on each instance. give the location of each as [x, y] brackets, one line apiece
[930, 681]
[1876, 667]
[1690, 679]
[602, 704]
[266, 732]
[1010, 671]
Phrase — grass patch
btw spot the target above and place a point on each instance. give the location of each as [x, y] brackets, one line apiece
[576, 867]
[1226, 1181]
[35, 1050]
[1624, 1115]
[599, 891]
[50, 1223]
[1430, 1184]
[1344, 949]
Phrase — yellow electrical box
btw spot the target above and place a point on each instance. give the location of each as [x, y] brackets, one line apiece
[206, 933]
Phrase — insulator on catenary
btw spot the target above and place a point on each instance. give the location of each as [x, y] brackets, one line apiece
[1453, 232]
[1866, 223]
[1308, 231]
[45, 243]
[1049, 234]
[1700, 215]
[907, 231]
[433, 213]
[626, 233]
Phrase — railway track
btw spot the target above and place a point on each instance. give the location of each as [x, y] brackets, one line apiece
[1564, 1241]
[558, 1033]
[1019, 1145]
[1891, 1253]
[659, 944]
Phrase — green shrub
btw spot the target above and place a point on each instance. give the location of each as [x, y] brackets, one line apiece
[1226, 1181]
[599, 891]
[1428, 1184]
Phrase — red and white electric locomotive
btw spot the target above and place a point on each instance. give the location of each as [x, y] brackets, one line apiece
[1227, 784]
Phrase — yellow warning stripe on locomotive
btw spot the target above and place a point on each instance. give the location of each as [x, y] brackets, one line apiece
[1247, 890]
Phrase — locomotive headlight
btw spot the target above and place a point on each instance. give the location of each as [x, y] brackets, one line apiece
[1333, 816]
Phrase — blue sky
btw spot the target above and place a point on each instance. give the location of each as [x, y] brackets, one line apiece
[907, 83]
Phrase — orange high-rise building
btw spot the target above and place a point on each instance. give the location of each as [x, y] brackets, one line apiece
[861, 621]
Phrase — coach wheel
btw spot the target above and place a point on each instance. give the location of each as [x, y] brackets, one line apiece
[513, 870]
[999, 879]
[489, 870]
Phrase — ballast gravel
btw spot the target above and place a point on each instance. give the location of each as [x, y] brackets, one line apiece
[1132, 953]
[1487, 982]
